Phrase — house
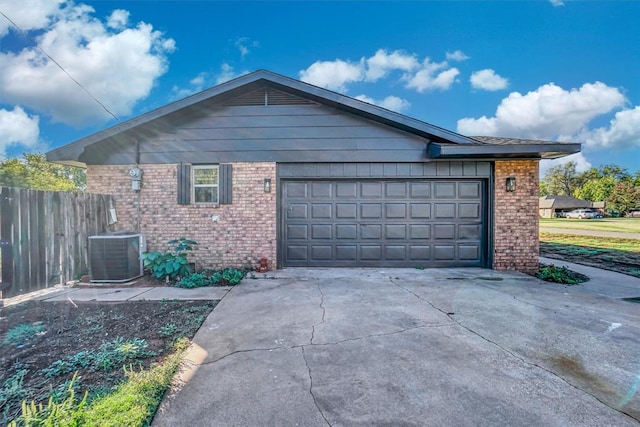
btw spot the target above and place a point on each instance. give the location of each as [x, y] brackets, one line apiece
[557, 206]
[268, 166]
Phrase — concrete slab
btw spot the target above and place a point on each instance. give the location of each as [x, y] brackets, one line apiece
[166, 292]
[99, 294]
[410, 347]
[603, 282]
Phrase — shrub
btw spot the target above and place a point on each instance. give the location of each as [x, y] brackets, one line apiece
[562, 275]
[170, 265]
[227, 276]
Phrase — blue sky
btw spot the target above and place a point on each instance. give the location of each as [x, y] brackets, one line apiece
[551, 70]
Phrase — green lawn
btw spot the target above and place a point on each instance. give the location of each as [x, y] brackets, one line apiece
[621, 225]
[627, 245]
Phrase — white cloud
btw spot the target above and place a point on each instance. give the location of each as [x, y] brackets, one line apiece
[548, 112]
[421, 76]
[457, 55]
[432, 76]
[28, 14]
[227, 72]
[380, 64]
[243, 44]
[116, 63]
[333, 75]
[196, 85]
[17, 128]
[582, 164]
[556, 3]
[487, 79]
[623, 132]
[119, 19]
[392, 103]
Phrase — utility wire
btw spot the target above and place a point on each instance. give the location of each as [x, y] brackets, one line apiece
[59, 66]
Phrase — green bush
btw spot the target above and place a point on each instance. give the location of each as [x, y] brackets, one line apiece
[195, 280]
[170, 265]
[562, 275]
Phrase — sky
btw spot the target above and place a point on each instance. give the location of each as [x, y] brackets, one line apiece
[551, 70]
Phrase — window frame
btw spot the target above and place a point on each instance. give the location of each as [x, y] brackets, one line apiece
[194, 185]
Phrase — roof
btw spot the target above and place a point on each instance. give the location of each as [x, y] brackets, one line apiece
[440, 143]
[563, 202]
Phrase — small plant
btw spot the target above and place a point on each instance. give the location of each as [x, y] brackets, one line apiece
[13, 387]
[232, 276]
[170, 265]
[562, 275]
[168, 330]
[195, 280]
[22, 333]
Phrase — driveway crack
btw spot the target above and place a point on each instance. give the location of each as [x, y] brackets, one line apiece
[511, 353]
[313, 327]
[315, 402]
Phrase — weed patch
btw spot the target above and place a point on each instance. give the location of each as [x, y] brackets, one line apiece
[562, 275]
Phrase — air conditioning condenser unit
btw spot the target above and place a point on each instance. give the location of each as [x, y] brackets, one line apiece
[116, 257]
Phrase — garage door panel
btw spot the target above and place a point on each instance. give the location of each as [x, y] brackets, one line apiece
[370, 231]
[321, 189]
[445, 190]
[321, 231]
[346, 231]
[396, 189]
[378, 222]
[371, 252]
[346, 210]
[322, 253]
[371, 210]
[469, 210]
[297, 231]
[395, 210]
[445, 210]
[371, 189]
[469, 190]
[444, 252]
[469, 252]
[420, 210]
[396, 231]
[346, 189]
[347, 253]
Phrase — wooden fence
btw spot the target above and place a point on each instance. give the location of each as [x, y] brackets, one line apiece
[44, 237]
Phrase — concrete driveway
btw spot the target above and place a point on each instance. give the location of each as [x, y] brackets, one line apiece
[404, 347]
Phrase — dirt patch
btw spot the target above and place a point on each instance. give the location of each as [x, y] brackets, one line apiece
[620, 261]
[44, 343]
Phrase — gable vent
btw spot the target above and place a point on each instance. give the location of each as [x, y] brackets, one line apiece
[267, 96]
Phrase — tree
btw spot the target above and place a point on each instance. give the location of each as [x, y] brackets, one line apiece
[35, 172]
[624, 197]
[596, 189]
[561, 180]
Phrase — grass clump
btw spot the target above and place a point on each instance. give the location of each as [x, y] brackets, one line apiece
[225, 277]
[562, 275]
[22, 333]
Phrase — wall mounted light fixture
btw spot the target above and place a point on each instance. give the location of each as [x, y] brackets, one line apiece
[511, 184]
[267, 185]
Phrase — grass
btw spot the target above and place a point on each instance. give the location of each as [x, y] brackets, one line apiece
[20, 334]
[620, 225]
[591, 245]
[132, 403]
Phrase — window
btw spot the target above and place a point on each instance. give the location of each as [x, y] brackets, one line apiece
[205, 184]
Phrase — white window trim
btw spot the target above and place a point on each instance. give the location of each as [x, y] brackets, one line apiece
[194, 185]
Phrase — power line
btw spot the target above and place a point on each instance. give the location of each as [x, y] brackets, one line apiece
[59, 66]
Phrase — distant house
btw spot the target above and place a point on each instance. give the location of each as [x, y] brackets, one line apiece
[556, 206]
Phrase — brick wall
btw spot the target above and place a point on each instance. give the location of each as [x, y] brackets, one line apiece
[245, 232]
[516, 217]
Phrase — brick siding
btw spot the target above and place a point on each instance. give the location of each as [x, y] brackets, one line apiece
[245, 232]
[516, 244]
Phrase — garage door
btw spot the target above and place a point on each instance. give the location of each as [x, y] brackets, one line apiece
[395, 223]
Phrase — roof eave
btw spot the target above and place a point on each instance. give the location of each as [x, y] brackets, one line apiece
[533, 151]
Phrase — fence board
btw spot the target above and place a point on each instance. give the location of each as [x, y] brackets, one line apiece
[44, 237]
